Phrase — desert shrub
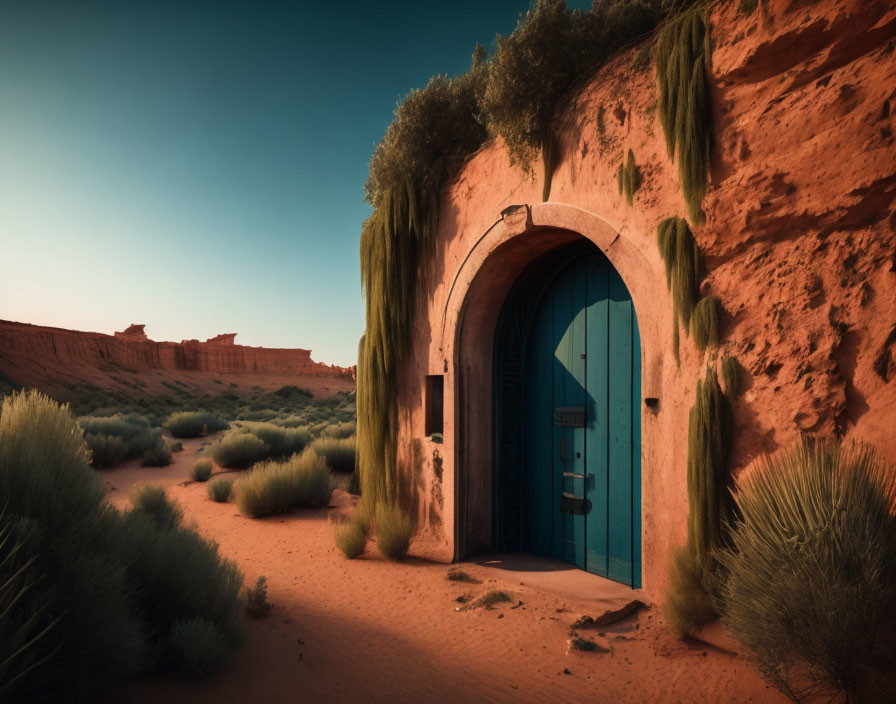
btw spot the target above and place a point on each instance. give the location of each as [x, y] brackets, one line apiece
[281, 442]
[811, 585]
[628, 176]
[684, 270]
[339, 454]
[158, 455]
[257, 604]
[688, 604]
[705, 323]
[238, 450]
[178, 576]
[106, 450]
[123, 436]
[24, 631]
[221, 490]
[192, 424]
[53, 503]
[152, 501]
[199, 646]
[394, 531]
[682, 63]
[351, 538]
[274, 487]
[340, 430]
[201, 471]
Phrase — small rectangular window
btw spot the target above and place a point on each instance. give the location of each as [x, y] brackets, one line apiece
[435, 385]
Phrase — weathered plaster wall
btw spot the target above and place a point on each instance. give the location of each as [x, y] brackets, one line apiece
[800, 241]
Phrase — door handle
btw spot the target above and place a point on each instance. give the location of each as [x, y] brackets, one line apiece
[563, 449]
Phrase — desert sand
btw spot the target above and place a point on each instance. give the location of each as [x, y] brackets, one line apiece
[373, 630]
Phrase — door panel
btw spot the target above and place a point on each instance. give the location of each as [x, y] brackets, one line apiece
[583, 350]
[596, 448]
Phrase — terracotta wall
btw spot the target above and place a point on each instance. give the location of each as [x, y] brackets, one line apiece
[800, 242]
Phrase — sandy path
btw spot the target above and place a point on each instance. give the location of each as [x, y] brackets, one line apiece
[370, 629]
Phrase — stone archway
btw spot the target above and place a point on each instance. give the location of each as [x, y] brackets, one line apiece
[479, 291]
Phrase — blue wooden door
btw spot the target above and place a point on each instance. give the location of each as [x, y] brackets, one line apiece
[580, 473]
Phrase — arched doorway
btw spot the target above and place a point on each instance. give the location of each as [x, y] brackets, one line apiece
[567, 393]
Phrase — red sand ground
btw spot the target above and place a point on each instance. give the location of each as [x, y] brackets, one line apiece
[369, 629]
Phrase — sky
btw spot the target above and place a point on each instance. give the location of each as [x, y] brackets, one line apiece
[199, 166]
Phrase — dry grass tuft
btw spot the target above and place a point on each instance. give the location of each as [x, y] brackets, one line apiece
[811, 585]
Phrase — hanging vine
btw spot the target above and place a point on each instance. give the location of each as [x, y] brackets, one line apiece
[682, 63]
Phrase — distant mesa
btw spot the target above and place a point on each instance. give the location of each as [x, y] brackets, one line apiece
[133, 332]
[55, 358]
[225, 339]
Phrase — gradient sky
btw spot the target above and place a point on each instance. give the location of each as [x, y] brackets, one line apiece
[199, 166]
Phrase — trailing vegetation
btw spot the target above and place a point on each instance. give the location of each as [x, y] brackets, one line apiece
[682, 62]
[710, 429]
[811, 570]
[221, 490]
[513, 94]
[394, 530]
[104, 588]
[351, 537]
[693, 583]
[688, 604]
[192, 424]
[628, 176]
[731, 375]
[684, 270]
[302, 481]
[705, 323]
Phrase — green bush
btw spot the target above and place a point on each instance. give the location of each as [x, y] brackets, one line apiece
[201, 471]
[158, 455]
[351, 538]
[274, 487]
[192, 424]
[811, 570]
[119, 437]
[394, 531]
[152, 501]
[684, 271]
[257, 604]
[221, 490]
[239, 450]
[178, 576]
[339, 454]
[339, 430]
[281, 442]
[199, 645]
[83, 597]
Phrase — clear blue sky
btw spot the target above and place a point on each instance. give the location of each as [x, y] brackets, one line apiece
[198, 166]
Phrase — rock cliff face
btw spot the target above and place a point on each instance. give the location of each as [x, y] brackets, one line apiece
[48, 358]
[799, 242]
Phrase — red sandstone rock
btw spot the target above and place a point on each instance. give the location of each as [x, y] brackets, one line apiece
[799, 239]
[51, 358]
